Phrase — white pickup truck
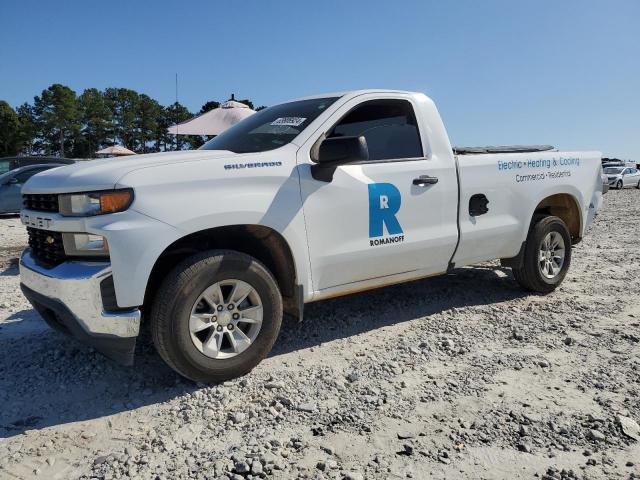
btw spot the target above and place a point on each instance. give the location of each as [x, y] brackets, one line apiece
[303, 201]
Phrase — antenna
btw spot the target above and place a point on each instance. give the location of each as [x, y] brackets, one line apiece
[177, 123]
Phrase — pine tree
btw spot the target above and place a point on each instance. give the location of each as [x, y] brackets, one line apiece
[9, 130]
[58, 119]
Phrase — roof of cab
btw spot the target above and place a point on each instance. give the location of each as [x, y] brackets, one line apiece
[354, 93]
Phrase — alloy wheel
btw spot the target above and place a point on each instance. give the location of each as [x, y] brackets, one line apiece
[226, 319]
[551, 255]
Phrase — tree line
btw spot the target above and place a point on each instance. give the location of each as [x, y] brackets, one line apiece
[61, 123]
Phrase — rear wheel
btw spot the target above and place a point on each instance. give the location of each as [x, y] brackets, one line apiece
[638, 185]
[216, 316]
[547, 255]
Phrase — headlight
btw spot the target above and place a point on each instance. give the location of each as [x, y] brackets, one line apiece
[94, 203]
[85, 245]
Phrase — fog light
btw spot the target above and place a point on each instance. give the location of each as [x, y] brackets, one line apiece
[85, 245]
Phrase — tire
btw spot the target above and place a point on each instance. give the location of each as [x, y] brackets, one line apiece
[530, 275]
[619, 185]
[180, 295]
[638, 185]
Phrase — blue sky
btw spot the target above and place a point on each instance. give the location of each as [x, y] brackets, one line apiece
[560, 72]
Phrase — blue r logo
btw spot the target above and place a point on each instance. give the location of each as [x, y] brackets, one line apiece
[384, 203]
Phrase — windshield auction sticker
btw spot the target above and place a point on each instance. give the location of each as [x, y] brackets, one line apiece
[289, 121]
[541, 169]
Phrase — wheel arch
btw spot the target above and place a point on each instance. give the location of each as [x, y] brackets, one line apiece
[261, 242]
[566, 207]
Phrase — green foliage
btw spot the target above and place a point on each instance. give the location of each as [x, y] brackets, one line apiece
[10, 141]
[96, 119]
[58, 119]
[123, 104]
[149, 116]
[28, 128]
[61, 123]
[210, 105]
[173, 114]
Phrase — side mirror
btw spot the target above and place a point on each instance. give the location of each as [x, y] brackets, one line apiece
[333, 152]
[13, 181]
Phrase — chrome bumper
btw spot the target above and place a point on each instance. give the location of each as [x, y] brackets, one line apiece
[70, 295]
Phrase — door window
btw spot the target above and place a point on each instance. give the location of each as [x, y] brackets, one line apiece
[389, 126]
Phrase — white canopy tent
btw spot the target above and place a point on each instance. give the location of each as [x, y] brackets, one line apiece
[215, 121]
[116, 151]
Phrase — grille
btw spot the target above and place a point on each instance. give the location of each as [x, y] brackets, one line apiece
[46, 247]
[44, 202]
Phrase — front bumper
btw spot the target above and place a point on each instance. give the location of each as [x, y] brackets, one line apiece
[69, 298]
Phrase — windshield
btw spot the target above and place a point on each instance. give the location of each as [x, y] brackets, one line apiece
[614, 170]
[270, 128]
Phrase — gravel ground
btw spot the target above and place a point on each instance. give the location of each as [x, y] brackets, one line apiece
[462, 376]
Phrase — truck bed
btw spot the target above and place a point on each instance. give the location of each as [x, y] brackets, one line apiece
[514, 183]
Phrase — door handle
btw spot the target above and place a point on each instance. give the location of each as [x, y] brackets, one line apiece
[424, 180]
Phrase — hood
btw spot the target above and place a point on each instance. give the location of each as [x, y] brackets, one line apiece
[103, 174]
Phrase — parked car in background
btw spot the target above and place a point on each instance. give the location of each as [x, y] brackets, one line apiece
[613, 163]
[620, 177]
[11, 163]
[11, 184]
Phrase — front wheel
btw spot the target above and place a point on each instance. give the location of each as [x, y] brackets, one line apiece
[619, 185]
[216, 316]
[547, 256]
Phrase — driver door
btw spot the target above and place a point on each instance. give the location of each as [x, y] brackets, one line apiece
[372, 220]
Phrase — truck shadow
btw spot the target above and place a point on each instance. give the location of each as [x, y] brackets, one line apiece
[9, 266]
[47, 379]
[361, 312]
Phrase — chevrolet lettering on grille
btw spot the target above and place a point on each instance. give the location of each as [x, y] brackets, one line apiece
[34, 221]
